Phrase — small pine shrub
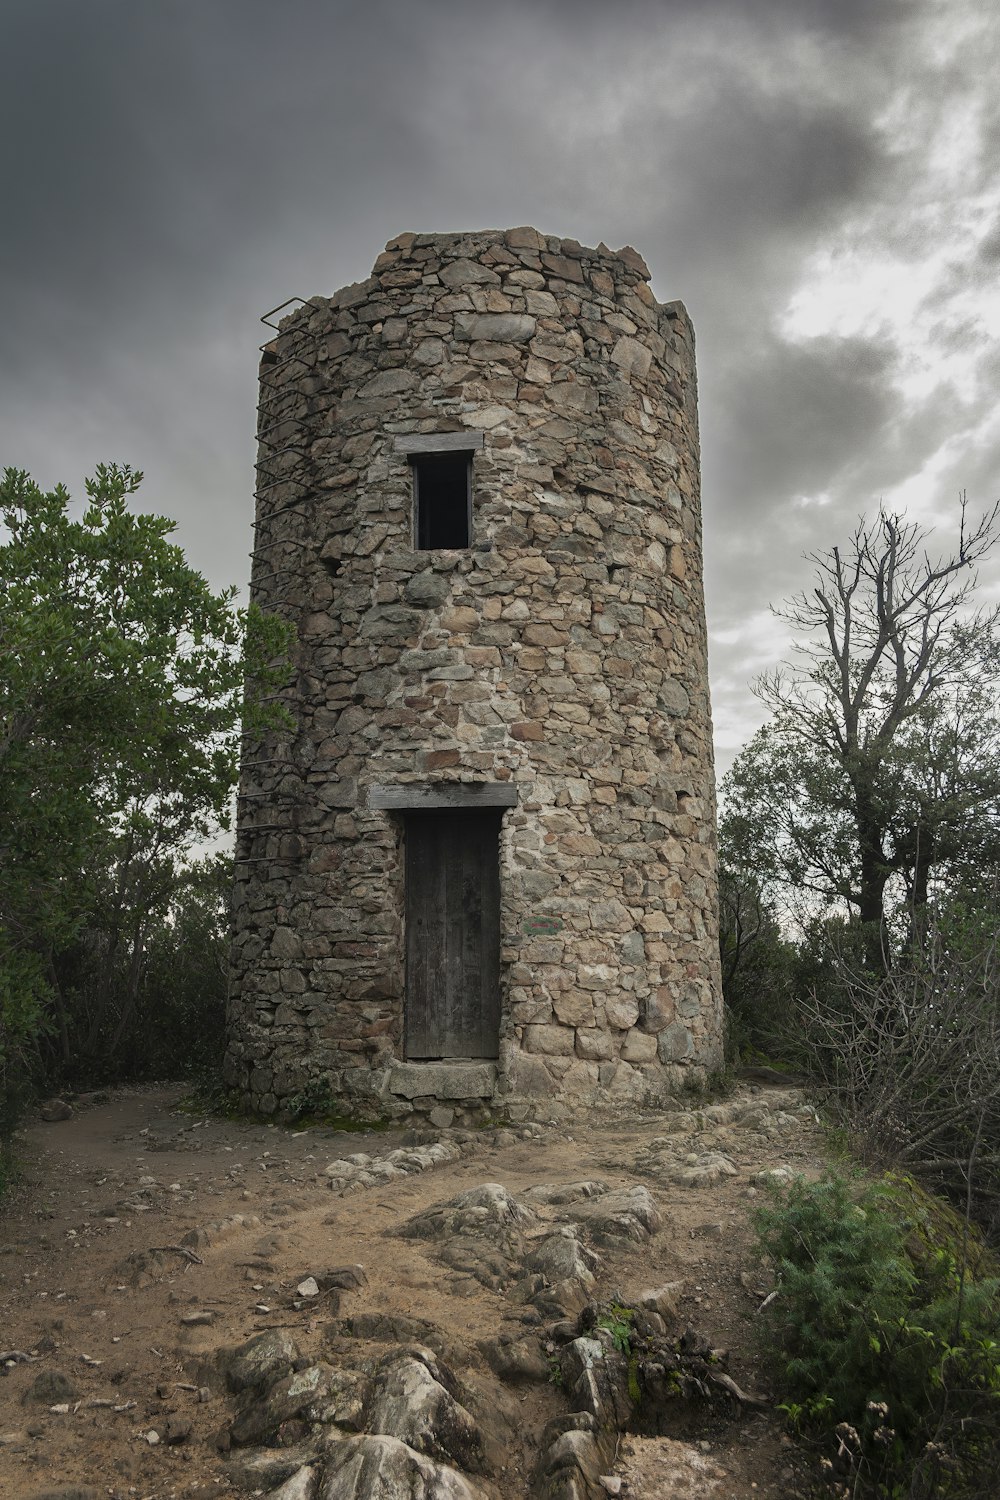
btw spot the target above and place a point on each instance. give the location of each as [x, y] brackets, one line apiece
[892, 1354]
[314, 1102]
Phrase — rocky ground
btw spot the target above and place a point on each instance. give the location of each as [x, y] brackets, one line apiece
[192, 1307]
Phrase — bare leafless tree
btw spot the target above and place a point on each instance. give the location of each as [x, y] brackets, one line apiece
[884, 739]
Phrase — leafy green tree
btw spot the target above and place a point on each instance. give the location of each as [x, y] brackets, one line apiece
[879, 770]
[124, 683]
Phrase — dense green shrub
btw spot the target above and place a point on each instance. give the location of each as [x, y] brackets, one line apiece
[151, 1006]
[758, 972]
[884, 1342]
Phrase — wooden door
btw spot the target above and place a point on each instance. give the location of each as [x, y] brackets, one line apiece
[453, 934]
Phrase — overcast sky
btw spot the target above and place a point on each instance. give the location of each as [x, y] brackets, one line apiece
[818, 180]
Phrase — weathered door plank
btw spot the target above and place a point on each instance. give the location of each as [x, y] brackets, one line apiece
[452, 934]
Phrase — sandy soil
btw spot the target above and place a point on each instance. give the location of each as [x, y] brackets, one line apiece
[95, 1284]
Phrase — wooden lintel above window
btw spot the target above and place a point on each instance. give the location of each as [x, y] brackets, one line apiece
[414, 796]
[439, 442]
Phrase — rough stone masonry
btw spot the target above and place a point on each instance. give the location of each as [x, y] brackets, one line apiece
[478, 877]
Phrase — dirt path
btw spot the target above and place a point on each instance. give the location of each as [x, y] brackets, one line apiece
[99, 1285]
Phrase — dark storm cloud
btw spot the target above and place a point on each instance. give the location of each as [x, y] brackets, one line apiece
[143, 141]
[817, 423]
[147, 143]
[160, 160]
[172, 170]
[806, 412]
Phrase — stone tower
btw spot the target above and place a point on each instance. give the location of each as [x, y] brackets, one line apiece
[479, 876]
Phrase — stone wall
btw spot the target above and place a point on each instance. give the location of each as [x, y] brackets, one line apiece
[561, 656]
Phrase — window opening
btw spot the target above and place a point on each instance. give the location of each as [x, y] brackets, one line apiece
[442, 499]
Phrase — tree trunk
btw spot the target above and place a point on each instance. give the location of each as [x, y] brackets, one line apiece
[874, 872]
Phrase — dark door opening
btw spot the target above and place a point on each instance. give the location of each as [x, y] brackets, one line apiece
[453, 934]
